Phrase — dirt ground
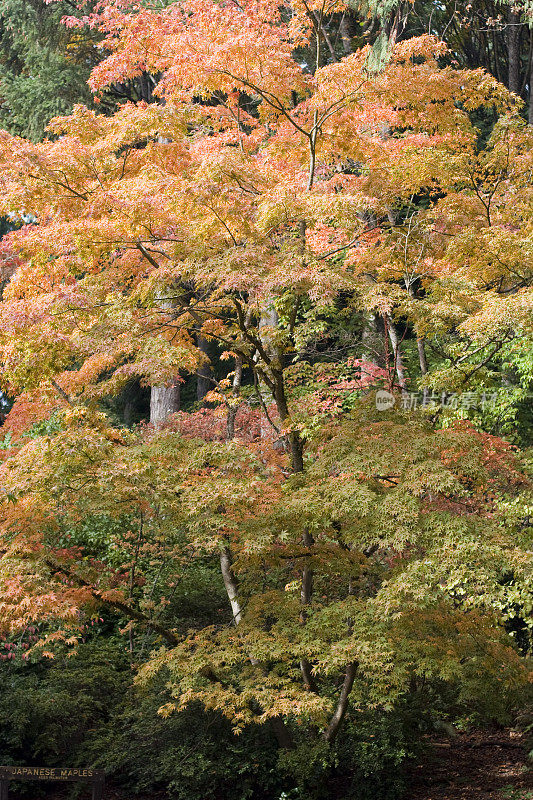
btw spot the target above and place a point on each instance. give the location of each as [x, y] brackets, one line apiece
[473, 766]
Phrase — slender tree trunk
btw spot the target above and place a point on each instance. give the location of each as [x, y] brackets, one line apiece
[419, 339]
[131, 399]
[342, 705]
[393, 26]
[422, 355]
[128, 413]
[397, 354]
[497, 56]
[234, 403]
[372, 342]
[282, 733]
[294, 442]
[423, 364]
[345, 33]
[232, 589]
[513, 49]
[145, 87]
[268, 322]
[306, 593]
[205, 371]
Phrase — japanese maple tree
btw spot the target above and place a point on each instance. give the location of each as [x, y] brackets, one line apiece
[358, 551]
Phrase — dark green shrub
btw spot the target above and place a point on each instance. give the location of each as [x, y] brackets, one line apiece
[365, 763]
[48, 709]
[189, 756]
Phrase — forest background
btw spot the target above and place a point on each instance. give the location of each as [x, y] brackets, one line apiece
[266, 346]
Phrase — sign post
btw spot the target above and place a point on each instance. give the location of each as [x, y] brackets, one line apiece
[94, 776]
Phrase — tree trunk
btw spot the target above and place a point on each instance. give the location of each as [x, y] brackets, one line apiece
[234, 402]
[145, 87]
[268, 322]
[205, 370]
[130, 395]
[164, 401]
[393, 26]
[282, 733]
[345, 33]
[513, 49]
[165, 398]
[294, 442]
[230, 582]
[372, 342]
[397, 354]
[306, 594]
[342, 705]
[422, 355]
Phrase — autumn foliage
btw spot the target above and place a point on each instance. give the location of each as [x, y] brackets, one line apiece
[253, 202]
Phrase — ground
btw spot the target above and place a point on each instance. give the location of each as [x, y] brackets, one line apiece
[473, 766]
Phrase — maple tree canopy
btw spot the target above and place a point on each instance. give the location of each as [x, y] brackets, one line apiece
[358, 547]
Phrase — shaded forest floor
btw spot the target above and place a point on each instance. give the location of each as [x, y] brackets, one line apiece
[473, 766]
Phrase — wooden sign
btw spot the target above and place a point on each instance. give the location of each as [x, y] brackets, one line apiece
[95, 776]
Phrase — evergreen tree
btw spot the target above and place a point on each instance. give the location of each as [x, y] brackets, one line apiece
[44, 65]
